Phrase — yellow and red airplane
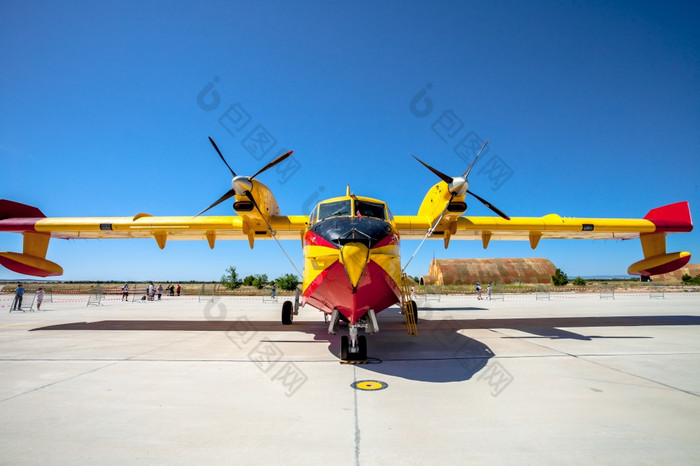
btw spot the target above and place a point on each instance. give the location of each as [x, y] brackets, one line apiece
[352, 266]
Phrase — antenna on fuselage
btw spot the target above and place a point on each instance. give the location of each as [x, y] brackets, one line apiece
[347, 191]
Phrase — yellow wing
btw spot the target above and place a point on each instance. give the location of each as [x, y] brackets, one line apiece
[37, 230]
[652, 230]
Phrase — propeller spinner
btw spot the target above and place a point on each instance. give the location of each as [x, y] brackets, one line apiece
[242, 185]
[459, 186]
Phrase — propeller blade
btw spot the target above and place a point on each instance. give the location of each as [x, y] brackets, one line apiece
[229, 194]
[466, 173]
[442, 176]
[273, 163]
[490, 206]
[221, 155]
[249, 195]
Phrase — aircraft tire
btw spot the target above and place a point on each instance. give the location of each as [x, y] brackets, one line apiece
[413, 307]
[344, 345]
[287, 313]
[362, 344]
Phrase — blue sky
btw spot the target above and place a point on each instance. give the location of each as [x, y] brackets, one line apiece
[592, 110]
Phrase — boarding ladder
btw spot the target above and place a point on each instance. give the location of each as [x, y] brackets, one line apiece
[406, 304]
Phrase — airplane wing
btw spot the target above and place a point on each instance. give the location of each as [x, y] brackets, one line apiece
[651, 229]
[37, 229]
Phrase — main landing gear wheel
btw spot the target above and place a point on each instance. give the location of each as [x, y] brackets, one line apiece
[344, 345]
[287, 313]
[413, 309]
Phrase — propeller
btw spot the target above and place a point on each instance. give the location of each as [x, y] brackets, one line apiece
[242, 185]
[459, 186]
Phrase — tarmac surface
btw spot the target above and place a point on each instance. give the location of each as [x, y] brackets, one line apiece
[574, 379]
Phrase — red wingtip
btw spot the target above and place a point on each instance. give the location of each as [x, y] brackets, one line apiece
[672, 217]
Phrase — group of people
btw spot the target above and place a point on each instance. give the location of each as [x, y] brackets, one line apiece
[19, 295]
[152, 291]
[478, 291]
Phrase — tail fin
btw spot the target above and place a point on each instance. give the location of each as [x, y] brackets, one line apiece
[673, 218]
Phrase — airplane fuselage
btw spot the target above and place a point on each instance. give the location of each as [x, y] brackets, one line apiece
[351, 258]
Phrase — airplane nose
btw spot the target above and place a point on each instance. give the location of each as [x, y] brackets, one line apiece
[354, 257]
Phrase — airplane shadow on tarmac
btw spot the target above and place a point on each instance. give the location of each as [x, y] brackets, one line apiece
[440, 353]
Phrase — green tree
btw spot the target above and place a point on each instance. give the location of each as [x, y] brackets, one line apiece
[578, 281]
[287, 282]
[260, 280]
[230, 280]
[249, 280]
[559, 278]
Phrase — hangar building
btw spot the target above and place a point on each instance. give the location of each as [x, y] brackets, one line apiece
[469, 271]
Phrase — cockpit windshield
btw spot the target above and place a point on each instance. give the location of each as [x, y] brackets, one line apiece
[334, 209]
[345, 208]
[369, 209]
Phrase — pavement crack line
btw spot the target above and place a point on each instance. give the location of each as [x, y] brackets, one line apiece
[59, 381]
[111, 363]
[584, 358]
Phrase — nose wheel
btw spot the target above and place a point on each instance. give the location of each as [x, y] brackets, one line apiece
[348, 352]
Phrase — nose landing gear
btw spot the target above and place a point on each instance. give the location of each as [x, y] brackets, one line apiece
[356, 353]
[353, 347]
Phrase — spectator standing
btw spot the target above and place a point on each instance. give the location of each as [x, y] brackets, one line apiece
[125, 292]
[160, 291]
[39, 298]
[178, 289]
[17, 303]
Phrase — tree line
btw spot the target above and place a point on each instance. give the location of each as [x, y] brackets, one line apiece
[230, 280]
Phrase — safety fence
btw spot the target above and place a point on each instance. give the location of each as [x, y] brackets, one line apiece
[543, 293]
[430, 293]
[96, 296]
[606, 292]
[268, 294]
[205, 296]
[657, 291]
[26, 303]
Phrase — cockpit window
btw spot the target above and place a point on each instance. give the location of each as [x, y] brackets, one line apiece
[334, 209]
[312, 217]
[370, 209]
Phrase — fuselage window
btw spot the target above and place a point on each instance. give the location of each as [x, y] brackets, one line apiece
[370, 209]
[334, 209]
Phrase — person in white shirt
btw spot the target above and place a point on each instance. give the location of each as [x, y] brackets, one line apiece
[39, 298]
